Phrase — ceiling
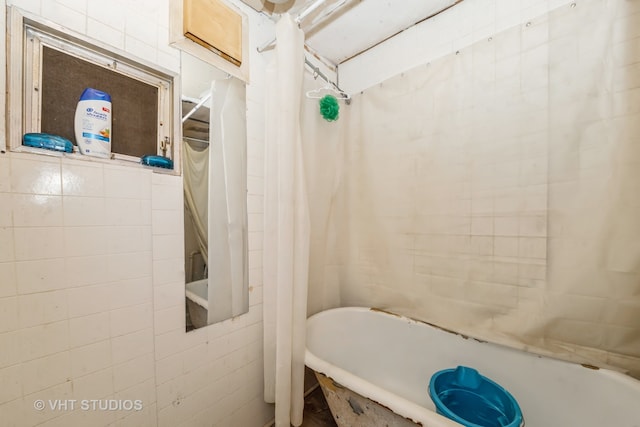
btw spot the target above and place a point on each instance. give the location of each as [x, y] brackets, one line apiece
[341, 29]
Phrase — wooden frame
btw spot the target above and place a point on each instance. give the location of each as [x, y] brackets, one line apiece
[214, 25]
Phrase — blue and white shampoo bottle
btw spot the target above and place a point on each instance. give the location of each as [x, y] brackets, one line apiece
[93, 123]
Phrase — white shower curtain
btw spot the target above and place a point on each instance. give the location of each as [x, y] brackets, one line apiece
[286, 232]
[228, 271]
[196, 193]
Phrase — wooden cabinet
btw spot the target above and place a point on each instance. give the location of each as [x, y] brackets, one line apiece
[214, 25]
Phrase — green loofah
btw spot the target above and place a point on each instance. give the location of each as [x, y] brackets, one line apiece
[329, 108]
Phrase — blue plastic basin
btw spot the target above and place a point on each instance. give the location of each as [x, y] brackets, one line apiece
[465, 396]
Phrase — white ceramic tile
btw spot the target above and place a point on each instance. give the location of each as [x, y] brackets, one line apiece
[77, 5]
[84, 211]
[125, 212]
[147, 417]
[36, 210]
[144, 391]
[46, 372]
[131, 319]
[82, 178]
[85, 241]
[88, 329]
[8, 285]
[129, 266]
[8, 314]
[169, 319]
[131, 292]
[255, 204]
[35, 176]
[131, 346]
[40, 341]
[145, 212]
[90, 358]
[86, 300]
[5, 174]
[170, 61]
[107, 14]
[141, 49]
[167, 197]
[169, 344]
[10, 344]
[33, 6]
[166, 221]
[38, 243]
[11, 380]
[96, 385]
[167, 296]
[7, 250]
[124, 239]
[168, 368]
[87, 270]
[41, 308]
[87, 417]
[127, 183]
[142, 27]
[57, 392]
[169, 246]
[255, 294]
[12, 411]
[105, 33]
[133, 372]
[63, 15]
[168, 271]
[6, 210]
[40, 276]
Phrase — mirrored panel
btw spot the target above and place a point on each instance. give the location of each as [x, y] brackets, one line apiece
[214, 157]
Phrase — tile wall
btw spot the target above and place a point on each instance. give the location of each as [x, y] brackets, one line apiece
[92, 276]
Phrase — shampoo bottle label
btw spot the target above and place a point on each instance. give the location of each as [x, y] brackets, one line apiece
[93, 123]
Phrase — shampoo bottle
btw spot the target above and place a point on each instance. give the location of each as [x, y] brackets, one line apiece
[93, 123]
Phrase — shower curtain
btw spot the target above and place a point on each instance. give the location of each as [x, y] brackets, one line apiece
[196, 193]
[495, 191]
[227, 240]
[286, 232]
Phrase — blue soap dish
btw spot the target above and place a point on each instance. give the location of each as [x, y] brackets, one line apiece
[157, 161]
[48, 142]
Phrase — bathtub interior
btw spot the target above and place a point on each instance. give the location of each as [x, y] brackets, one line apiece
[198, 292]
[400, 355]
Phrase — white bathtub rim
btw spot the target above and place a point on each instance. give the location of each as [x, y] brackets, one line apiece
[409, 409]
[612, 371]
[194, 296]
[397, 404]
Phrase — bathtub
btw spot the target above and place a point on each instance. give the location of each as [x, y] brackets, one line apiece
[197, 294]
[374, 368]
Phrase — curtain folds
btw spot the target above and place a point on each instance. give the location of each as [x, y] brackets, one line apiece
[286, 232]
[196, 191]
[228, 270]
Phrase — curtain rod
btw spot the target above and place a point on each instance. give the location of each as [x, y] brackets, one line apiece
[197, 106]
[306, 12]
[318, 73]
